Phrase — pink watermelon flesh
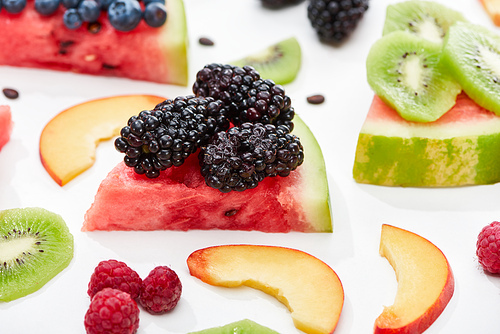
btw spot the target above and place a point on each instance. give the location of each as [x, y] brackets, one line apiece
[180, 200]
[152, 54]
[5, 125]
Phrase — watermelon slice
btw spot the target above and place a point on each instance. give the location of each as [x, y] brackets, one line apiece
[180, 200]
[5, 125]
[145, 53]
[460, 148]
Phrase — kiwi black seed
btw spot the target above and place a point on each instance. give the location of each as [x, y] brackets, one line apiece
[279, 62]
[472, 54]
[405, 71]
[35, 245]
[426, 19]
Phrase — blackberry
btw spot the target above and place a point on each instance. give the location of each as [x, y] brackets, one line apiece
[246, 96]
[334, 20]
[163, 137]
[279, 3]
[243, 156]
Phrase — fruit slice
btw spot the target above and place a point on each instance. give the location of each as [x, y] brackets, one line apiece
[425, 19]
[492, 7]
[179, 199]
[238, 327]
[472, 54]
[279, 62]
[68, 142]
[315, 299]
[425, 282]
[5, 125]
[405, 71]
[35, 245]
[145, 53]
[458, 149]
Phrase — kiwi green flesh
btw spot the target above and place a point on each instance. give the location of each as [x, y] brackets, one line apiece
[279, 62]
[405, 71]
[35, 245]
[472, 54]
[426, 19]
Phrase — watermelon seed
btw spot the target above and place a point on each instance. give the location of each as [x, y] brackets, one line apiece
[10, 93]
[231, 212]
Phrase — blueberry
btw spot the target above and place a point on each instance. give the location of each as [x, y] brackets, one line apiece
[155, 14]
[89, 10]
[46, 7]
[104, 4]
[146, 2]
[14, 6]
[124, 15]
[70, 3]
[72, 19]
[0, 4]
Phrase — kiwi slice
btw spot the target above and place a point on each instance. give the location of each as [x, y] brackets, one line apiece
[279, 62]
[405, 71]
[426, 19]
[35, 245]
[472, 55]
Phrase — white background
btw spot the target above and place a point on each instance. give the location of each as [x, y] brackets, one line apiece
[450, 218]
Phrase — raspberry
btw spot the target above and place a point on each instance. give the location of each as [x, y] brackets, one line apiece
[488, 247]
[117, 275]
[160, 291]
[112, 311]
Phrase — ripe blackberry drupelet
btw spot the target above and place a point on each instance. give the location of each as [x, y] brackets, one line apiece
[334, 20]
[163, 137]
[279, 3]
[243, 156]
[246, 96]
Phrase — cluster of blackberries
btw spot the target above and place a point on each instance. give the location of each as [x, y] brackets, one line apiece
[260, 143]
[333, 20]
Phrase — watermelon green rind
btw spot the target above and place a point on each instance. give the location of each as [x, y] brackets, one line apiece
[429, 155]
[180, 200]
[462, 62]
[244, 326]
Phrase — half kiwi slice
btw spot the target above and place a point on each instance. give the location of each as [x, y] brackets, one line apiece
[426, 19]
[472, 55]
[405, 71]
[279, 62]
[35, 245]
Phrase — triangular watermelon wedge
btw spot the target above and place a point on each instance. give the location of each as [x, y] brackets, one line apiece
[180, 200]
[460, 148]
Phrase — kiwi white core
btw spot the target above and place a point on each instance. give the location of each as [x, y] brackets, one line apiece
[428, 29]
[412, 71]
[491, 59]
[12, 249]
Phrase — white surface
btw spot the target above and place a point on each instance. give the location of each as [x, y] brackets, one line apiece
[450, 218]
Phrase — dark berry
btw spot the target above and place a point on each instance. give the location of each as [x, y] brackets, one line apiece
[89, 10]
[117, 275]
[146, 2]
[279, 3]
[160, 290]
[70, 3]
[165, 136]
[46, 7]
[72, 19]
[14, 6]
[104, 4]
[155, 14]
[243, 156]
[112, 311]
[334, 20]
[124, 15]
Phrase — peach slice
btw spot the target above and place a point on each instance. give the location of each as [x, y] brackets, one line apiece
[307, 286]
[492, 8]
[425, 282]
[68, 142]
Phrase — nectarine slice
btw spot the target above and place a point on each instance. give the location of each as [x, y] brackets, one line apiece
[307, 286]
[425, 282]
[68, 142]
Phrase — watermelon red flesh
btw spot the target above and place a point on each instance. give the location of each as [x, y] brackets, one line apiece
[180, 200]
[5, 125]
[145, 53]
[460, 148]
